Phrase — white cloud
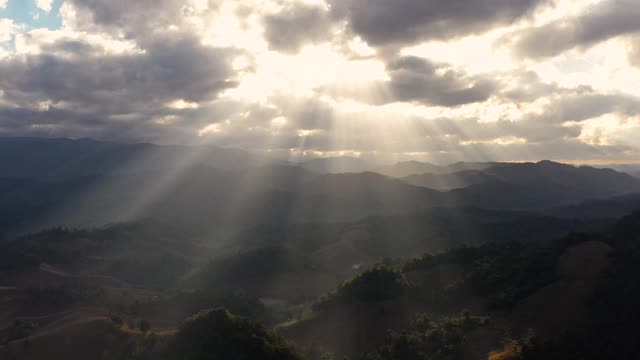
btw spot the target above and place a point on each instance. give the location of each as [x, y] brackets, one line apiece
[8, 28]
[44, 5]
[3, 3]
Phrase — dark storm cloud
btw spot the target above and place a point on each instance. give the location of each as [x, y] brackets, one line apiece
[295, 26]
[401, 22]
[606, 20]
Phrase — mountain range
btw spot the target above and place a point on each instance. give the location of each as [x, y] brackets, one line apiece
[84, 182]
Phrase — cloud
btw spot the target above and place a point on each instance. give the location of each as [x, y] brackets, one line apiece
[3, 3]
[296, 75]
[419, 81]
[174, 67]
[44, 5]
[67, 44]
[530, 129]
[606, 20]
[415, 79]
[74, 87]
[634, 53]
[8, 28]
[527, 86]
[141, 20]
[403, 22]
[153, 124]
[110, 74]
[581, 107]
[313, 124]
[296, 25]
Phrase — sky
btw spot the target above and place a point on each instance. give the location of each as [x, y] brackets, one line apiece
[431, 80]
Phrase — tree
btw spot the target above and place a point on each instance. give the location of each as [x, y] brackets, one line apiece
[428, 340]
[217, 334]
[379, 283]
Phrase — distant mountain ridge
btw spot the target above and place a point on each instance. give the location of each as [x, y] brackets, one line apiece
[449, 181]
[336, 165]
[408, 168]
[566, 181]
[85, 182]
[631, 169]
[44, 158]
[589, 180]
